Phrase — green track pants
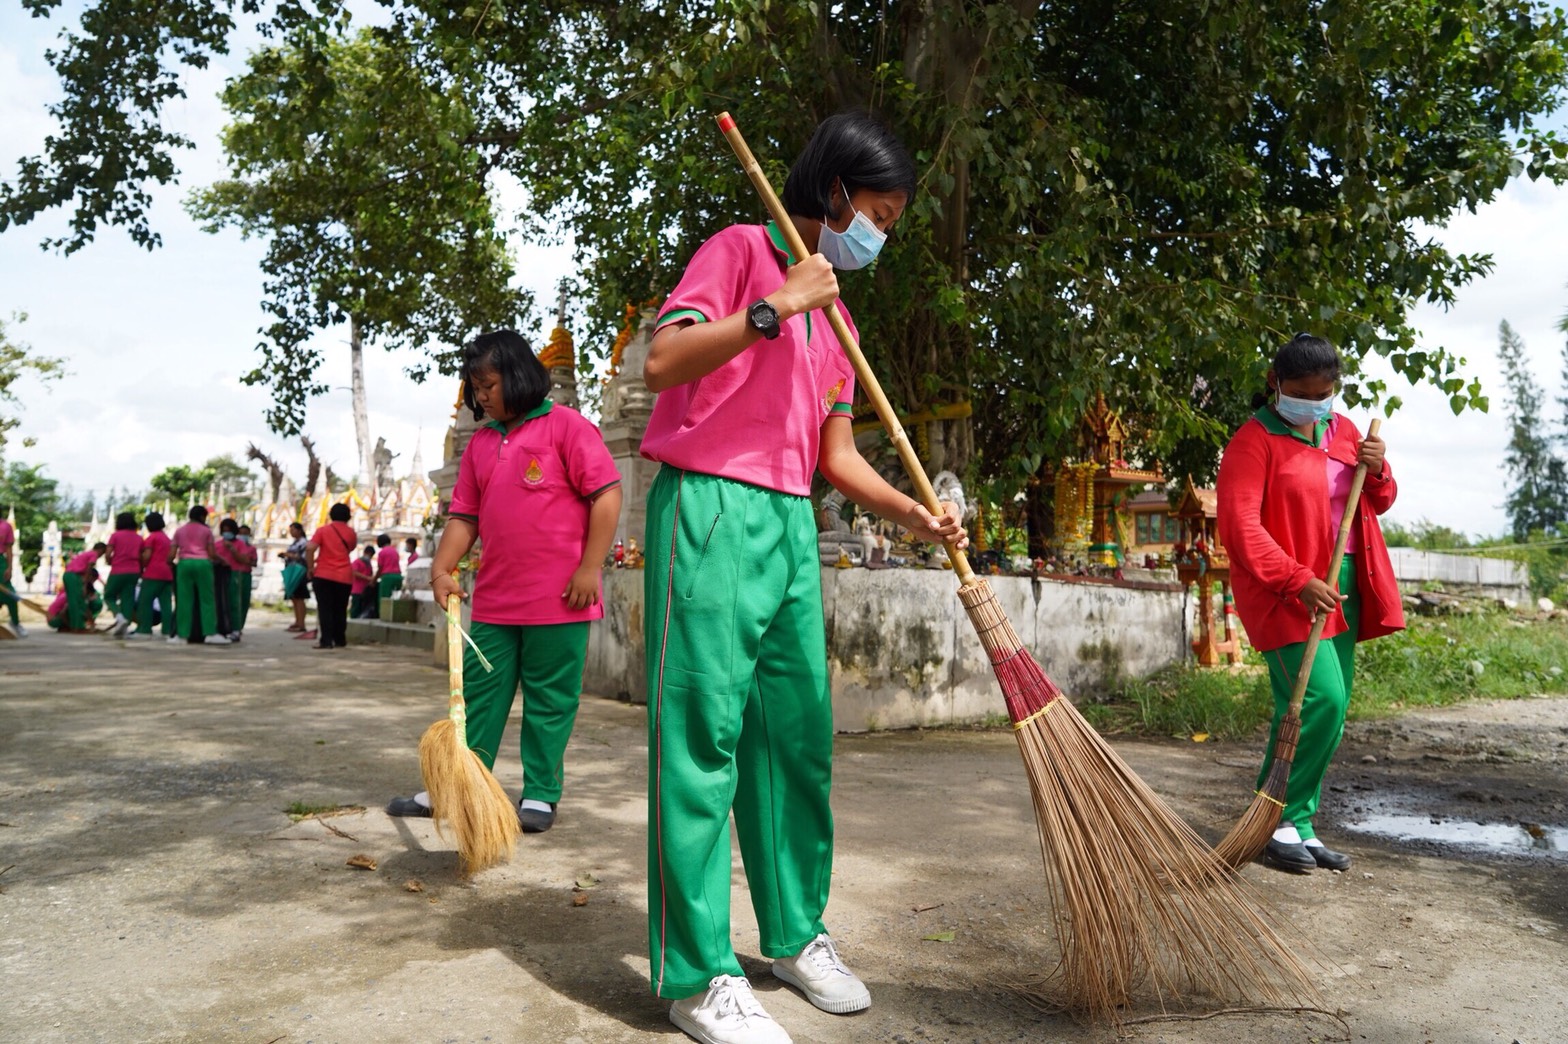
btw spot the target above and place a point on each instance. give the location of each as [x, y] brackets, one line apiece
[10, 599]
[740, 719]
[389, 585]
[119, 594]
[239, 599]
[161, 593]
[193, 596]
[547, 661]
[1322, 710]
[75, 602]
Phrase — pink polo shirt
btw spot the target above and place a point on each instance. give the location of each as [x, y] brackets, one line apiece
[363, 571]
[529, 490]
[81, 562]
[125, 552]
[387, 563]
[243, 556]
[158, 568]
[192, 539]
[758, 418]
[7, 537]
[56, 607]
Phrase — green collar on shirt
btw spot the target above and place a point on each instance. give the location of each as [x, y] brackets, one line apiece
[1275, 425]
[777, 239]
[538, 411]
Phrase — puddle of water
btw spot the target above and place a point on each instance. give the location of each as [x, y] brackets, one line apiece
[1497, 837]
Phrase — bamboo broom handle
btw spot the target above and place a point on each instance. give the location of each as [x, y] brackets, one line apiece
[1298, 693]
[863, 374]
[454, 664]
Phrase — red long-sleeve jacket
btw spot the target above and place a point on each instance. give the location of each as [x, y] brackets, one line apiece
[1275, 524]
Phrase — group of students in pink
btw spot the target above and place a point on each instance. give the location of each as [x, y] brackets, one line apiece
[195, 585]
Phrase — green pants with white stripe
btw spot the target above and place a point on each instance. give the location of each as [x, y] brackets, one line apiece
[546, 660]
[76, 602]
[1322, 710]
[740, 719]
[193, 597]
[119, 594]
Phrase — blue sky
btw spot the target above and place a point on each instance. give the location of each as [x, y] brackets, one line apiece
[155, 342]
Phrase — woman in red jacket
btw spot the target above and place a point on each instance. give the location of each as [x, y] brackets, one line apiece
[1283, 485]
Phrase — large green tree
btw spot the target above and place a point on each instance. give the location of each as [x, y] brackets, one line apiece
[1538, 500]
[35, 498]
[1141, 198]
[350, 161]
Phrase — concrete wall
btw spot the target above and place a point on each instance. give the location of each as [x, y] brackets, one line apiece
[903, 653]
[1472, 573]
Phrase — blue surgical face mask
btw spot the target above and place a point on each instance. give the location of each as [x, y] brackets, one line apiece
[855, 247]
[228, 536]
[1303, 411]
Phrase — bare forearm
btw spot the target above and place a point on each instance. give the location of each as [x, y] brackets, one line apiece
[859, 481]
[603, 517]
[456, 540]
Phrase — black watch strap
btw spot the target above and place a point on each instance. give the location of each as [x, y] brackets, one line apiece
[764, 317]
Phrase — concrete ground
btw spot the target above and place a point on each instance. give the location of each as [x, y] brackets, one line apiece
[152, 887]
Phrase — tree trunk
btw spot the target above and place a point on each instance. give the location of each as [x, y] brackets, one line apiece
[356, 351]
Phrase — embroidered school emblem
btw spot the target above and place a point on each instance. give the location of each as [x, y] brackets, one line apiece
[832, 396]
[535, 474]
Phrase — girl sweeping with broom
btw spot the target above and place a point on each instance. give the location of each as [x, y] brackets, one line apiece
[754, 397]
[1283, 488]
[540, 491]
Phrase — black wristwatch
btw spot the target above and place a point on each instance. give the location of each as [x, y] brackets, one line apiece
[764, 317]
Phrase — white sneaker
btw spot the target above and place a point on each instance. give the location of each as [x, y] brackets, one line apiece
[19, 630]
[817, 972]
[133, 635]
[728, 1013]
[121, 625]
[216, 639]
[174, 639]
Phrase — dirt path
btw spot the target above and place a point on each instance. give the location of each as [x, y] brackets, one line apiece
[157, 892]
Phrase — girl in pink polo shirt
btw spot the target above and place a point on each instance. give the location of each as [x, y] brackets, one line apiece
[125, 566]
[539, 490]
[754, 398]
[364, 575]
[242, 553]
[195, 603]
[80, 575]
[7, 588]
[157, 587]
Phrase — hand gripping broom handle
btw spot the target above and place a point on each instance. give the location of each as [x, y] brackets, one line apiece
[454, 667]
[868, 380]
[1299, 692]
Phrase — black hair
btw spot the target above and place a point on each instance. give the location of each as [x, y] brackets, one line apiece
[297, 525]
[524, 380]
[154, 521]
[382, 540]
[340, 513]
[411, 540]
[125, 520]
[369, 549]
[228, 524]
[197, 513]
[1304, 355]
[243, 528]
[856, 148]
[100, 546]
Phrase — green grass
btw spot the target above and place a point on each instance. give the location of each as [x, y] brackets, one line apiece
[1487, 655]
[298, 810]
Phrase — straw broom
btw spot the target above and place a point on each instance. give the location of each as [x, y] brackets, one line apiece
[1138, 900]
[1252, 834]
[462, 790]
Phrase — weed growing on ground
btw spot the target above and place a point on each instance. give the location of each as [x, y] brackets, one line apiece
[1435, 662]
[298, 810]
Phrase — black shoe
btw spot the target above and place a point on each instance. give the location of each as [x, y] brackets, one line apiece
[1327, 858]
[1296, 859]
[534, 821]
[407, 806]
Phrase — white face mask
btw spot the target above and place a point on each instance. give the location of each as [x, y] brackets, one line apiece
[1303, 411]
[855, 247]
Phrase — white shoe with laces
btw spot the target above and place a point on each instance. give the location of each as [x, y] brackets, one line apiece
[216, 639]
[727, 1013]
[818, 972]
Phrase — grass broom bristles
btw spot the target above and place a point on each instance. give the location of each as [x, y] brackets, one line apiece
[463, 793]
[1139, 902]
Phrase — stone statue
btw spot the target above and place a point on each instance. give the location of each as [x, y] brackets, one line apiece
[381, 461]
[949, 489]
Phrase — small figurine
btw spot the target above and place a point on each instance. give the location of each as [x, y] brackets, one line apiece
[620, 555]
[843, 561]
[633, 554]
